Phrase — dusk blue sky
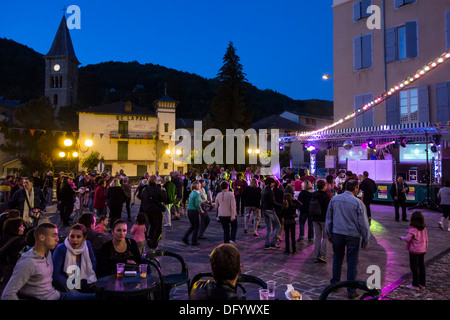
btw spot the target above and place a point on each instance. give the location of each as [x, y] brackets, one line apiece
[285, 46]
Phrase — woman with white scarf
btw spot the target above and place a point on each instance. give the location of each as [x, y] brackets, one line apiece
[74, 262]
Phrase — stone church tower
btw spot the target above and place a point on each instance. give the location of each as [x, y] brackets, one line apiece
[61, 69]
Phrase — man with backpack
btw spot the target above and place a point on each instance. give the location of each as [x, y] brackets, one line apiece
[318, 211]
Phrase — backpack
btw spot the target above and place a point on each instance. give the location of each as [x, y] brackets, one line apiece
[315, 210]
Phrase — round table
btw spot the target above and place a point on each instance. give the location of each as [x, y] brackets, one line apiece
[126, 286]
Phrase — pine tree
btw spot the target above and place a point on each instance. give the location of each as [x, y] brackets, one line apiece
[228, 107]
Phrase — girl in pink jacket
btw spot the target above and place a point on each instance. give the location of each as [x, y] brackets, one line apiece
[417, 243]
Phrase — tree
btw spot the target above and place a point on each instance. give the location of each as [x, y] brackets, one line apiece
[32, 143]
[228, 107]
[92, 160]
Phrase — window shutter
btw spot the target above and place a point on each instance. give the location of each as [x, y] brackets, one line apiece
[447, 29]
[368, 115]
[391, 45]
[399, 3]
[364, 5]
[424, 104]
[356, 11]
[357, 53]
[393, 110]
[366, 51]
[411, 39]
[358, 102]
[443, 101]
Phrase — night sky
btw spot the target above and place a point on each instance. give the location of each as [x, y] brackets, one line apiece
[285, 46]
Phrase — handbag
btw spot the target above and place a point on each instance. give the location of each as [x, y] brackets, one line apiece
[33, 212]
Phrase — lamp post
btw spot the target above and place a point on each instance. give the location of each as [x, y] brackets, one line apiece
[327, 76]
[169, 153]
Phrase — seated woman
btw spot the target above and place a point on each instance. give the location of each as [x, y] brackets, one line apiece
[118, 250]
[75, 251]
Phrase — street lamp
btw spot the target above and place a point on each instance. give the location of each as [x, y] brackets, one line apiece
[327, 76]
[68, 142]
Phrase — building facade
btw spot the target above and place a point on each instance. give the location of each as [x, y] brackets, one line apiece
[130, 137]
[367, 62]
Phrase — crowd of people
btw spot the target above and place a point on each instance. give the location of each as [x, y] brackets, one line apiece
[327, 210]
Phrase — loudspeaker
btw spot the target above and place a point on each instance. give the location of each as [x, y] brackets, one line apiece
[422, 176]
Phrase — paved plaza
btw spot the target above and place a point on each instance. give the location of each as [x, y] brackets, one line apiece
[385, 250]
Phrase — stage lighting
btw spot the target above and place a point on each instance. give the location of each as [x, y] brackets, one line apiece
[281, 146]
[310, 148]
[329, 145]
[371, 144]
[437, 139]
[403, 142]
[433, 148]
[348, 145]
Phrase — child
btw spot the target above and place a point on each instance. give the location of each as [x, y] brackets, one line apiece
[417, 244]
[101, 224]
[288, 213]
[138, 231]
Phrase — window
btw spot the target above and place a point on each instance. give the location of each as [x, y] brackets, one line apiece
[401, 42]
[166, 166]
[166, 127]
[123, 129]
[362, 52]
[360, 9]
[366, 119]
[55, 99]
[409, 106]
[122, 150]
[447, 30]
[401, 3]
[141, 170]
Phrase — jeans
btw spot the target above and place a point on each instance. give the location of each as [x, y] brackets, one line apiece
[194, 219]
[289, 235]
[320, 240]
[345, 246]
[204, 222]
[417, 266]
[227, 224]
[75, 295]
[302, 221]
[271, 220]
[397, 204]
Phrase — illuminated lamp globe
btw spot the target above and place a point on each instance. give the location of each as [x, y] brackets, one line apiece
[68, 142]
[88, 143]
[62, 154]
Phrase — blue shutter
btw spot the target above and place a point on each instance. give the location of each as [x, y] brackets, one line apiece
[391, 45]
[411, 39]
[424, 104]
[366, 51]
[393, 110]
[447, 30]
[443, 101]
[398, 3]
[359, 120]
[357, 53]
[364, 5]
[356, 11]
[368, 115]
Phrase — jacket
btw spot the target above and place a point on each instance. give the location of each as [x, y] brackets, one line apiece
[324, 199]
[267, 199]
[416, 240]
[346, 215]
[115, 196]
[305, 198]
[213, 290]
[239, 186]
[99, 198]
[226, 204]
[32, 276]
[396, 190]
[171, 192]
[18, 200]
[289, 214]
[252, 197]
[151, 195]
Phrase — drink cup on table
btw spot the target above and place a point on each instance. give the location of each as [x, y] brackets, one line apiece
[120, 269]
[271, 287]
[263, 294]
[143, 270]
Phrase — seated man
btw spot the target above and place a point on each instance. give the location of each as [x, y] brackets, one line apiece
[225, 267]
[32, 275]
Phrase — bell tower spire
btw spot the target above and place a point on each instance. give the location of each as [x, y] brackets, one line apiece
[61, 69]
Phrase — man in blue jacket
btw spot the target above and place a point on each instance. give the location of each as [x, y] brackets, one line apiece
[347, 226]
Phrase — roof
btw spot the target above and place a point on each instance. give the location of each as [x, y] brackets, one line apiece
[166, 98]
[276, 122]
[117, 108]
[62, 43]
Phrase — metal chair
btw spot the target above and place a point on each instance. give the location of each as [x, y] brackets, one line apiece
[370, 294]
[170, 280]
[243, 278]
